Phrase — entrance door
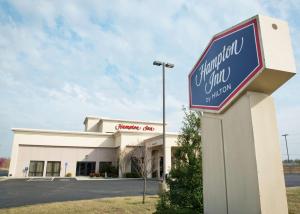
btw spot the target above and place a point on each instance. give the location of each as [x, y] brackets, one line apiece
[85, 168]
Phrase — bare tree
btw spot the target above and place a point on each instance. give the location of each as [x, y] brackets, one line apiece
[142, 164]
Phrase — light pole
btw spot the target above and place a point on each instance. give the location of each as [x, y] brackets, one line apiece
[168, 65]
[286, 145]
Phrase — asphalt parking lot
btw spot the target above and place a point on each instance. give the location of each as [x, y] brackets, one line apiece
[25, 192]
[292, 180]
[16, 192]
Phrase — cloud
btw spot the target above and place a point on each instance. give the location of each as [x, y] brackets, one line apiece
[70, 91]
[63, 60]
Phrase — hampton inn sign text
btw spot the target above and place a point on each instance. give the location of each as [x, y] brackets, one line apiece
[228, 64]
[134, 127]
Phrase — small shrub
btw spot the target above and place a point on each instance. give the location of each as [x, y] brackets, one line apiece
[131, 175]
[111, 171]
[69, 174]
[92, 174]
[185, 193]
[97, 174]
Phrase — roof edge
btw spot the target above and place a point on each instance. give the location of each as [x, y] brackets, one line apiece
[122, 120]
[60, 132]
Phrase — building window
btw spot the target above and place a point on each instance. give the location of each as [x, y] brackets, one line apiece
[36, 168]
[53, 168]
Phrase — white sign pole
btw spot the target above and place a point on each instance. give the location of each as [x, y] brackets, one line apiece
[242, 169]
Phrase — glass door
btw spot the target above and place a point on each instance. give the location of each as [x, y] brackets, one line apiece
[85, 168]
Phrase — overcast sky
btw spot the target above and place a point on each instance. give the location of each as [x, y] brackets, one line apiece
[63, 60]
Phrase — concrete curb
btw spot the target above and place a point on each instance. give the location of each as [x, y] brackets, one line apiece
[78, 178]
[112, 179]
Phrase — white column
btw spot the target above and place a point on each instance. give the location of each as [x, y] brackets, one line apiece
[149, 162]
[45, 168]
[168, 159]
[97, 166]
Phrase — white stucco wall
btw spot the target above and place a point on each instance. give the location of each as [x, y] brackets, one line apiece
[45, 140]
[112, 126]
[133, 138]
[92, 125]
[69, 155]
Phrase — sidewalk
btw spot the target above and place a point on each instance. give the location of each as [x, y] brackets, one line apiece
[3, 178]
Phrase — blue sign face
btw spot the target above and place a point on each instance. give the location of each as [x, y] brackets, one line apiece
[229, 62]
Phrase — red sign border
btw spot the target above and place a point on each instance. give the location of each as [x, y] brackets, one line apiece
[245, 81]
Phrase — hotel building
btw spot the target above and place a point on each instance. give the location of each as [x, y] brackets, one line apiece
[103, 142]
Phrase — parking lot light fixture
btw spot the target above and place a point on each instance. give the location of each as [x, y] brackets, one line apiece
[168, 65]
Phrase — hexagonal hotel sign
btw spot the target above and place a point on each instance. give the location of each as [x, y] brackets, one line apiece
[229, 63]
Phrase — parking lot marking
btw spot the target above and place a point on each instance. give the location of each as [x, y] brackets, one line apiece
[64, 179]
[40, 179]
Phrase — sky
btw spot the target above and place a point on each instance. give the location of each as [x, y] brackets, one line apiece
[63, 60]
